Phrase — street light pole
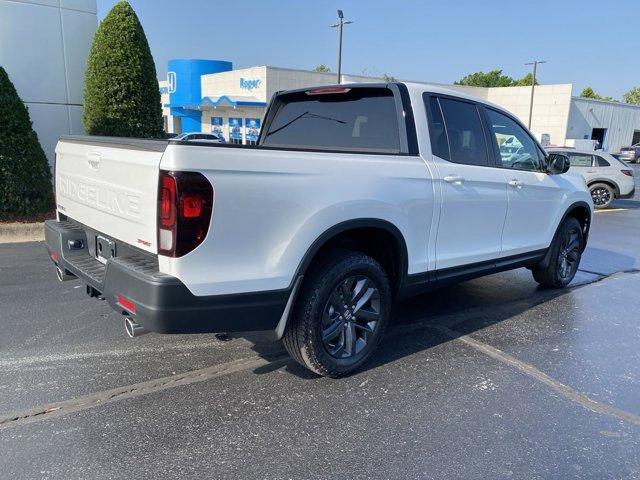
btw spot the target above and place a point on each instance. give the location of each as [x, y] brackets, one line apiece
[533, 86]
[340, 26]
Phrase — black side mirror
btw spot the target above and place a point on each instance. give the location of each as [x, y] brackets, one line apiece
[557, 163]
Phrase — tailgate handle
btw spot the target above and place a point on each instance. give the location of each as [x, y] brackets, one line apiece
[93, 160]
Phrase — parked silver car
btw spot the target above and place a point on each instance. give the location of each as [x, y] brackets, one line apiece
[606, 177]
[200, 137]
[630, 154]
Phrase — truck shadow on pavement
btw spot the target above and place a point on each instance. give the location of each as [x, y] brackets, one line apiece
[417, 323]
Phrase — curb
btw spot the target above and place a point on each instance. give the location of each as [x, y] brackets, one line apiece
[21, 232]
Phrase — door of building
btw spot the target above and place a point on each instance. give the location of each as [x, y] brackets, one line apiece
[599, 135]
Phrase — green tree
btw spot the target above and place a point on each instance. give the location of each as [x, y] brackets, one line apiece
[389, 78]
[588, 92]
[494, 78]
[25, 177]
[121, 96]
[322, 68]
[632, 96]
[525, 81]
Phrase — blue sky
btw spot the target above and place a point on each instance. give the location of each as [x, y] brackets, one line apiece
[585, 42]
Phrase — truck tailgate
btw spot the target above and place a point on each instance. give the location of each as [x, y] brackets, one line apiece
[110, 184]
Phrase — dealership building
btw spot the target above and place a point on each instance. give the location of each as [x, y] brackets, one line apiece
[44, 46]
[210, 96]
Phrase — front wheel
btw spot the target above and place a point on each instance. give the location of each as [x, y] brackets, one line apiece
[566, 252]
[340, 316]
[602, 195]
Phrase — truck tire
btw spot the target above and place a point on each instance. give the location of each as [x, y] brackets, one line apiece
[602, 195]
[340, 315]
[565, 253]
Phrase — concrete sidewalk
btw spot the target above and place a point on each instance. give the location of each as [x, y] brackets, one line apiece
[21, 232]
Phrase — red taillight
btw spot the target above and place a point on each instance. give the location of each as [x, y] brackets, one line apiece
[185, 203]
[54, 256]
[168, 201]
[628, 173]
[125, 303]
[191, 206]
[327, 90]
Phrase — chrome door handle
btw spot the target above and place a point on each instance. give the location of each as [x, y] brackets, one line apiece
[454, 179]
[515, 183]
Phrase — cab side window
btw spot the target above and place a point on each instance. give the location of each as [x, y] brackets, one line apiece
[517, 149]
[437, 132]
[580, 160]
[467, 143]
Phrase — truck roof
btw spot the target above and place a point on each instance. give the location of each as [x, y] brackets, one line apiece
[439, 89]
[412, 87]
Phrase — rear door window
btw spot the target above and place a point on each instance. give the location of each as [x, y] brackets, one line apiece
[580, 160]
[350, 120]
[465, 134]
[437, 131]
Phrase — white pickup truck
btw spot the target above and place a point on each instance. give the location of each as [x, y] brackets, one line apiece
[355, 195]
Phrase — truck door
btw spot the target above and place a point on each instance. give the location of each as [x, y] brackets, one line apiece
[534, 197]
[473, 191]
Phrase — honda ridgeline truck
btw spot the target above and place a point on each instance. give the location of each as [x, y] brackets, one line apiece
[355, 195]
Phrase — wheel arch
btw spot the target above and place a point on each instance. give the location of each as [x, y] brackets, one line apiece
[606, 181]
[388, 248]
[581, 211]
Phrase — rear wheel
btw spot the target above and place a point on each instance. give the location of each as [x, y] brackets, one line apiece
[602, 195]
[341, 315]
[566, 252]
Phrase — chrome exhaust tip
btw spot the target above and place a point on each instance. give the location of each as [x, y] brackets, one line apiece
[133, 329]
[64, 275]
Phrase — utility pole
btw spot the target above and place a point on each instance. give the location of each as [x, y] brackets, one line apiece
[535, 64]
[340, 26]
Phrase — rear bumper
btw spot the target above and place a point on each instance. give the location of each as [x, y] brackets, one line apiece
[162, 303]
[631, 194]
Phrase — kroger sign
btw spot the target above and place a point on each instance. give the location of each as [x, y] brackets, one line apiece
[249, 84]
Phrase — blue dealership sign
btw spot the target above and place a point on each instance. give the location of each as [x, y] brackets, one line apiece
[252, 129]
[246, 84]
[235, 128]
[216, 126]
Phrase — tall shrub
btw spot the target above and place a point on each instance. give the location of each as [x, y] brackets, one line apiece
[25, 178]
[121, 96]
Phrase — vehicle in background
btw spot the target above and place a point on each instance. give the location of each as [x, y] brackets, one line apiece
[630, 154]
[607, 178]
[355, 195]
[200, 137]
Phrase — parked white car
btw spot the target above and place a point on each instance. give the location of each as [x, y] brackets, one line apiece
[355, 195]
[607, 177]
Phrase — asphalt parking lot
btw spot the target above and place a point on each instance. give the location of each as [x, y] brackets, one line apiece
[493, 378]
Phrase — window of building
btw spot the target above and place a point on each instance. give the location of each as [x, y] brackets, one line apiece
[464, 132]
[517, 148]
[357, 119]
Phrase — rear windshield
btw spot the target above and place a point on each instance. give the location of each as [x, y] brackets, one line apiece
[359, 119]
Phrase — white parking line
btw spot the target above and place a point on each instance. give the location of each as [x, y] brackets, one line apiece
[612, 210]
[47, 411]
[529, 370]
